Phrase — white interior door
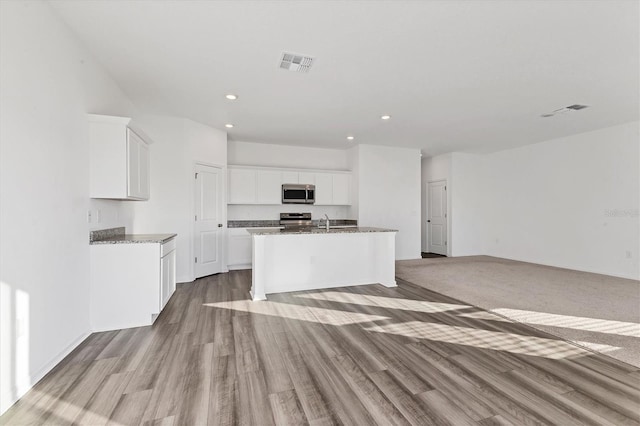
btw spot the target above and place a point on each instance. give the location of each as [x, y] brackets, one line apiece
[437, 218]
[208, 221]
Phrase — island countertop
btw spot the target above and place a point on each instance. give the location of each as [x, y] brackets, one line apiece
[316, 231]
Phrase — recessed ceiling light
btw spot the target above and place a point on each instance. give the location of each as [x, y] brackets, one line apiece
[350, 138]
[385, 117]
[231, 97]
[228, 125]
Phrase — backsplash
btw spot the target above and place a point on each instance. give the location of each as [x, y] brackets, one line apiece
[101, 234]
[276, 223]
[272, 212]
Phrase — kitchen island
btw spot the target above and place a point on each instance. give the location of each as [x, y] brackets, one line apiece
[315, 258]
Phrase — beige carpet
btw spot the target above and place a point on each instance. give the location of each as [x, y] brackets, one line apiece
[596, 311]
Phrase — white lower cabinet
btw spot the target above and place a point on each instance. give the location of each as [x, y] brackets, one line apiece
[239, 249]
[167, 273]
[130, 283]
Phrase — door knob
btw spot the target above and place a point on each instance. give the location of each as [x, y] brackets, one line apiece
[219, 225]
[429, 221]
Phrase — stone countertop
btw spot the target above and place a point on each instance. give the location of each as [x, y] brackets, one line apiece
[118, 236]
[308, 231]
[276, 223]
[135, 239]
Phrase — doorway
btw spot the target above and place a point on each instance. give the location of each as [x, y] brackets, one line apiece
[437, 238]
[208, 226]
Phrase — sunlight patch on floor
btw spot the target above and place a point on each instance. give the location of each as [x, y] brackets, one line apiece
[62, 411]
[298, 312]
[383, 302]
[566, 321]
[508, 342]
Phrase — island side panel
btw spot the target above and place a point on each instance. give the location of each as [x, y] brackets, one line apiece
[284, 263]
[385, 261]
[259, 267]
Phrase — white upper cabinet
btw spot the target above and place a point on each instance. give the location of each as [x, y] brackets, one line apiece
[263, 185]
[341, 187]
[290, 177]
[333, 188]
[119, 159]
[307, 178]
[324, 188]
[137, 167]
[242, 186]
[269, 186]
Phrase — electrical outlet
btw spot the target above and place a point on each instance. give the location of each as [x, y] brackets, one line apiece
[88, 216]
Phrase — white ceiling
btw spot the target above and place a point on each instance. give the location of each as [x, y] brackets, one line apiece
[469, 76]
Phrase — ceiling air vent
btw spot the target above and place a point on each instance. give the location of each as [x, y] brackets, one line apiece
[574, 107]
[297, 63]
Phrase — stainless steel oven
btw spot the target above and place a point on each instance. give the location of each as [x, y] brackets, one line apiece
[293, 193]
[293, 221]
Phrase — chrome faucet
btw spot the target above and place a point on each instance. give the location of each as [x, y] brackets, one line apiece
[326, 223]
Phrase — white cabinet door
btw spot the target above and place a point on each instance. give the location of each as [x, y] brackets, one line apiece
[260, 185]
[341, 189]
[324, 188]
[307, 178]
[144, 171]
[133, 165]
[242, 186]
[125, 285]
[289, 177]
[239, 249]
[119, 160]
[269, 189]
[168, 277]
[137, 167]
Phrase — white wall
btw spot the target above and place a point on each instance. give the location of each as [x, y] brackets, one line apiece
[260, 154]
[48, 82]
[177, 145]
[571, 202]
[388, 193]
[467, 205]
[269, 155]
[434, 169]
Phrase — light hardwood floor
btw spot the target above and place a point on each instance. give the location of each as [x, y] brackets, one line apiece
[358, 355]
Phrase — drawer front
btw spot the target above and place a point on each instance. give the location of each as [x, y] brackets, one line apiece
[167, 247]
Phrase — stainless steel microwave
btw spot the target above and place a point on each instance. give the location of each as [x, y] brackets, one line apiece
[293, 193]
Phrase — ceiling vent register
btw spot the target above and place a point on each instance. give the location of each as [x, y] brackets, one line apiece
[575, 107]
[296, 63]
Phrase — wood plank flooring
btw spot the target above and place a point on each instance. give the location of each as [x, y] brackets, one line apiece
[357, 356]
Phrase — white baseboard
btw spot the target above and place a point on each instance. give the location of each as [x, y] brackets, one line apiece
[185, 279]
[562, 266]
[238, 267]
[37, 376]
